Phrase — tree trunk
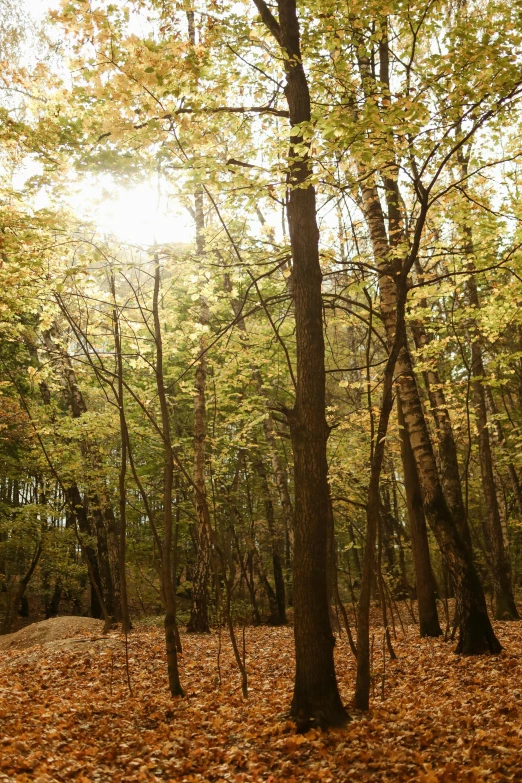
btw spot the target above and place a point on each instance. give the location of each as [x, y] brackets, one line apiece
[279, 617]
[447, 447]
[248, 572]
[107, 576]
[316, 700]
[501, 440]
[198, 622]
[500, 563]
[373, 504]
[14, 605]
[476, 634]
[168, 480]
[113, 537]
[52, 606]
[80, 520]
[104, 562]
[122, 542]
[77, 506]
[425, 582]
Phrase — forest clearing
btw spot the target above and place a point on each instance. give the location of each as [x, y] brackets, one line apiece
[260, 390]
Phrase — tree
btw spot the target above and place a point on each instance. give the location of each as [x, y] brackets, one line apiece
[316, 699]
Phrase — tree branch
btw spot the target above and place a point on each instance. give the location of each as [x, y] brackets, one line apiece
[269, 19]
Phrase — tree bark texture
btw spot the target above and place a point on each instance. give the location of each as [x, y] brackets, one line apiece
[316, 700]
[424, 580]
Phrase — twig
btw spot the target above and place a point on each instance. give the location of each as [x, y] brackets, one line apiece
[372, 675]
[127, 663]
[383, 667]
[219, 654]
[112, 672]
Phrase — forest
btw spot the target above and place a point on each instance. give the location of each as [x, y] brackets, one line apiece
[260, 390]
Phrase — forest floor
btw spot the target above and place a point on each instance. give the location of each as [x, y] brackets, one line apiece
[67, 714]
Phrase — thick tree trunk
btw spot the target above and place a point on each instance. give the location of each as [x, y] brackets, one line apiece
[113, 536]
[316, 700]
[104, 561]
[425, 582]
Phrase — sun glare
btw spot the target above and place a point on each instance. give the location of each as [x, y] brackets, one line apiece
[135, 214]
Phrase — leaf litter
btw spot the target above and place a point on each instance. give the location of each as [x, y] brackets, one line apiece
[435, 717]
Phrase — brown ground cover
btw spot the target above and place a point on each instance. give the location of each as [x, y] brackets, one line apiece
[67, 714]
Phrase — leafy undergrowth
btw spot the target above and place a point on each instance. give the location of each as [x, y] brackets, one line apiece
[70, 716]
